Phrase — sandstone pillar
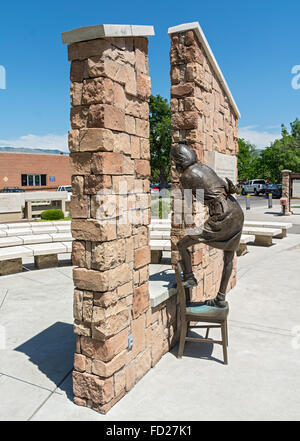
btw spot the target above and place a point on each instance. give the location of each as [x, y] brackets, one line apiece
[110, 209]
[286, 190]
[205, 115]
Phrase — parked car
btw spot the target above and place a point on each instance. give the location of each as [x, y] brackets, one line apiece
[255, 186]
[12, 190]
[274, 189]
[154, 188]
[67, 188]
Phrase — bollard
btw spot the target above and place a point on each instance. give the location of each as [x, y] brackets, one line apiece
[248, 202]
[270, 200]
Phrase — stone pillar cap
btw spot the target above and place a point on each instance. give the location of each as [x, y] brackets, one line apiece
[195, 26]
[106, 30]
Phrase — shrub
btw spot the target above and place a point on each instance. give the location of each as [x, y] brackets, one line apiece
[161, 207]
[52, 214]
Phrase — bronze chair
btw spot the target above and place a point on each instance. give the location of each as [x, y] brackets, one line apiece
[196, 312]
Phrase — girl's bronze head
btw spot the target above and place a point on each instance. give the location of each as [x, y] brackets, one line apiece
[183, 156]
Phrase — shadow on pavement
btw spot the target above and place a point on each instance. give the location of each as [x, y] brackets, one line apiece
[52, 351]
[197, 349]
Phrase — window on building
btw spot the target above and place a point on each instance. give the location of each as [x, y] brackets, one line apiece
[33, 180]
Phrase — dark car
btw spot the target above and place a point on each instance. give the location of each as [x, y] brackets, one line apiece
[12, 190]
[274, 189]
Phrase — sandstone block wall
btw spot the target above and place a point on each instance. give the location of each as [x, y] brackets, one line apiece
[109, 152]
[202, 115]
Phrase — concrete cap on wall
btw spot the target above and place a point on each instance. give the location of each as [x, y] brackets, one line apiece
[106, 30]
[195, 26]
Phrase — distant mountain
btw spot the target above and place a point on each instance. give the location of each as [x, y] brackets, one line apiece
[32, 151]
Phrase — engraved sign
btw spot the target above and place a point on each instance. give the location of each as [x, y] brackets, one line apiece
[296, 188]
[224, 165]
[10, 203]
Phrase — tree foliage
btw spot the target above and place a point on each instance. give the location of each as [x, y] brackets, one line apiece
[284, 153]
[160, 139]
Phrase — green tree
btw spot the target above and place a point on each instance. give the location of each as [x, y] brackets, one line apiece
[248, 161]
[160, 139]
[284, 153]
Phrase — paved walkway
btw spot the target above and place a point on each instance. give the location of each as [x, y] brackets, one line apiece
[261, 381]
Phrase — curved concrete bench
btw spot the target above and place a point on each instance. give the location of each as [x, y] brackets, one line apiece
[34, 230]
[242, 249]
[45, 255]
[263, 236]
[284, 226]
[31, 239]
[15, 225]
[161, 242]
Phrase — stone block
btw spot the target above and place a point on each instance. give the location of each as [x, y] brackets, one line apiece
[109, 326]
[46, 261]
[142, 128]
[107, 369]
[79, 117]
[93, 140]
[143, 364]
[80, 163]
[142, 168]
[101, 280]
[142, 256]
[87, 49]
[92, 387]
[140, 300]
[143, 86]
[79, 207]
[120, 381]
[107, 163]
[185, 120]
[79, 362]
[108, 255]
[106, 116]
[76, 94]
[97, 91]
[10, 266]
[156, 256]
[93, 184]
[93, 230]
[182, 90]
[105, 350]
[77, 71]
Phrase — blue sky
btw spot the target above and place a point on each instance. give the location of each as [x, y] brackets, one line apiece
[256, 44]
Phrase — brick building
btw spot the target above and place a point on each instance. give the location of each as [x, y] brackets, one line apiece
[34, 171]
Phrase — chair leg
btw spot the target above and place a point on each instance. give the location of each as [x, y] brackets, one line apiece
[226, 325]
[207, 333]
[183, 332]
[224, 342]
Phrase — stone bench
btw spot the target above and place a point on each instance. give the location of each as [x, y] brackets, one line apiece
[30, 230]
[161, 242]
[242, 249]
[12, 226]
[31, 239]
[263, 236]
[157, 247]
[45, 255]
[284, 226]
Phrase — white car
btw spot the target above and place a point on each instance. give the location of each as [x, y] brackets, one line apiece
[67, 188]
[256, 186]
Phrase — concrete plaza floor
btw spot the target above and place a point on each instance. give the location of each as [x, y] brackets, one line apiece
[261, 382]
